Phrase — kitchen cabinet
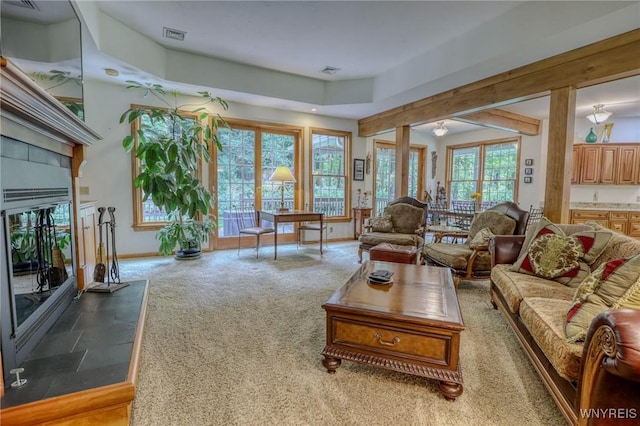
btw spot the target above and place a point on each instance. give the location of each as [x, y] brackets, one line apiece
[634, 224]
[576, 164]
[628, 165]
[625, 222]
[590, 165]
[87, 244]
[606, 164]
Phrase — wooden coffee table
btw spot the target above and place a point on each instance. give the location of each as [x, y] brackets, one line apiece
[412, 325]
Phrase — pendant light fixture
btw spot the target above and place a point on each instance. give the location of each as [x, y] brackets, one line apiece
[440, 130]
[599, 115]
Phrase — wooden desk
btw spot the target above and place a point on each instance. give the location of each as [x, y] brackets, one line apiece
[412, 325]
[359, 214]
[277, 217]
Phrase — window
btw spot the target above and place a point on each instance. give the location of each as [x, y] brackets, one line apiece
[489, 168]
[147, 215]
[330, 158]
[386, 174]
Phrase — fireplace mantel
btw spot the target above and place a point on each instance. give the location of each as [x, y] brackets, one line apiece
[28, 105]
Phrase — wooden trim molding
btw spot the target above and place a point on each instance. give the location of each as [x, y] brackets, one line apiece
[607, 60]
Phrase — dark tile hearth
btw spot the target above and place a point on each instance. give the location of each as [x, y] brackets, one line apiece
[89, 346]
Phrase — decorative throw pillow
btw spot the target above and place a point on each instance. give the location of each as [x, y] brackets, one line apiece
[553, 255]
[481, 239]
[564, 258]
[381, 224]
[613, 285]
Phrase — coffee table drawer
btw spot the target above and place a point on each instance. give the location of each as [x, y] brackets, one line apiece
[425, 346]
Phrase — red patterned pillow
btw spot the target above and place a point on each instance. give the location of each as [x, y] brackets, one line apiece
[564, 258]
[613, 285]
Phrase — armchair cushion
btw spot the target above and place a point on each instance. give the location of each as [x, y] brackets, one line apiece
[457, 256]
[406, 218]
[375, 238]
[381, 224]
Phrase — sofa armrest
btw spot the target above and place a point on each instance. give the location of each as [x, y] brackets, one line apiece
[505, 248]
[610, 368]
[617, 335]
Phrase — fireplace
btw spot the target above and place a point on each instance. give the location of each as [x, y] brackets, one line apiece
[37, 237]
[42, 149]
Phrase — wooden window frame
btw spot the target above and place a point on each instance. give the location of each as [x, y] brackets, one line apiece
[482, 145]
[138, 223]
[348, 159]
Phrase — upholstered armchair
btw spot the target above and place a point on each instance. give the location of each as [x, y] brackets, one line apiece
[403, 222]
[471, 259]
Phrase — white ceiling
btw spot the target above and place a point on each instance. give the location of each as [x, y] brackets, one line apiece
[404, 50]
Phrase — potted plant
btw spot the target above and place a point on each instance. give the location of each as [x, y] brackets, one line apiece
[171, 142]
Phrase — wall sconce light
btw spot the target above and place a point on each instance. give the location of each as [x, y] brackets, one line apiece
[367, 163]
[599, 115]
[440, 130]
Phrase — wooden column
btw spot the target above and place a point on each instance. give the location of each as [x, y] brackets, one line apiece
[403, 142]
[560, 154]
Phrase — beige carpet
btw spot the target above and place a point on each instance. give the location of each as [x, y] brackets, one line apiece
[235, 340]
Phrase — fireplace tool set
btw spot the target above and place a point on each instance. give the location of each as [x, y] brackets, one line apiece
[104, 268]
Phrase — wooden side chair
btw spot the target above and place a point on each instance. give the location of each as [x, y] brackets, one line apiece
[247, 225]
[313, 226]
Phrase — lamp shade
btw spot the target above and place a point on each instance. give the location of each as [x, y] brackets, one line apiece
[282, 174]
[599, 115]
[440, 130]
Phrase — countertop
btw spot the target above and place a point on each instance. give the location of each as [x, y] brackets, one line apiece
[604, 206]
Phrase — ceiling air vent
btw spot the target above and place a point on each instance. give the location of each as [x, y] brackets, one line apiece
[27, 4]
[330, 70]
[174, 34]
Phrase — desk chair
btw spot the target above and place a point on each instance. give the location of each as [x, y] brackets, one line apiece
[247, 225]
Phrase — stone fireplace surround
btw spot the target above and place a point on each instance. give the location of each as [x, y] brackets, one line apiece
[34, 122]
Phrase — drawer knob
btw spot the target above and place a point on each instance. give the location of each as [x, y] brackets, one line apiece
[382, 342]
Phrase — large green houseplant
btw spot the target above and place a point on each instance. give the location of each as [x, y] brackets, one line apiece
[171, 142]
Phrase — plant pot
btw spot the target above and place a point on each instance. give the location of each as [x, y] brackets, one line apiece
[190, 250]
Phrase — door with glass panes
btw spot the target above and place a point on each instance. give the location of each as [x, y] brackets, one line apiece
[248, 157]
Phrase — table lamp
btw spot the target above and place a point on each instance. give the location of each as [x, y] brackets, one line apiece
[282, 174]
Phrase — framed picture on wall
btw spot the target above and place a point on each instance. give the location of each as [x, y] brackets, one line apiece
[528, 162]
[528, 179]
[358, 169]
[528, 171]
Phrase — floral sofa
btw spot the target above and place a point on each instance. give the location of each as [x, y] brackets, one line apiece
[571, 294]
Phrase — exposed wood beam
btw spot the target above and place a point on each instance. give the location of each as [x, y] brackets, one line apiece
[503, 120]
[607, 60]
[403, 147]
[559, 154]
